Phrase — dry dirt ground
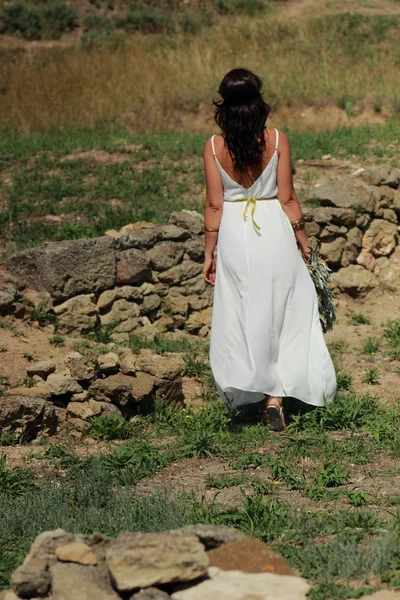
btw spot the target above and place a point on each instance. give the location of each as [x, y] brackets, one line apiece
[380, 478]
[25, 341]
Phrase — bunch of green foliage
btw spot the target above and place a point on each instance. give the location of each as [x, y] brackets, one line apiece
[50, 20]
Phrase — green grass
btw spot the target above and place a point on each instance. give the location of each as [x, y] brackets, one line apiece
[111, 427]
[372, 377]
[371, 346]
[160, 345]
[357, 319]
[224, 481]
[316, 458]
[42, 183]
[392, 336]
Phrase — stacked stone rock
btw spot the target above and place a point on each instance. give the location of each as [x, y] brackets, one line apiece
[146, 278]
[357, 225]
[178, 564]
[86, 386]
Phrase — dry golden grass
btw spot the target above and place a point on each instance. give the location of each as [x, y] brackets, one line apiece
[159, 83]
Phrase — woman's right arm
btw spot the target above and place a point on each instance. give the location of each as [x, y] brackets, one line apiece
[286, 194]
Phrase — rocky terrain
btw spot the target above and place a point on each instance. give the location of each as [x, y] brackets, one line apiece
[146, 278]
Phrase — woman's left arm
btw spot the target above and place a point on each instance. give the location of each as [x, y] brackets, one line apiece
[212, 211]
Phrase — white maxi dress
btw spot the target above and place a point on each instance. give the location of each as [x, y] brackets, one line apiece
[266, 336]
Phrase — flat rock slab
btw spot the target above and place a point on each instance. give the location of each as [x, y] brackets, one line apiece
[73, 582]
[76, 552]
[142, 560]
[211, 536]
[249, 556]
[236, 585]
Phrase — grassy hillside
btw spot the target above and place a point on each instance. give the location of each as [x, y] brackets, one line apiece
[166, 80]
[69, 185]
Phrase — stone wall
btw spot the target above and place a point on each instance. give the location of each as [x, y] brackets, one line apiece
[147, 278]
[196, 562]
[64, 396]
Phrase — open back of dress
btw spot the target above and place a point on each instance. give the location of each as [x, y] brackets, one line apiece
[266, 336]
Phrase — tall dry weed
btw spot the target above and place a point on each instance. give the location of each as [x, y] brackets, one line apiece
[155, 82]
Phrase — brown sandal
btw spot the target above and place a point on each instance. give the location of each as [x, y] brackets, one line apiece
[274, 411]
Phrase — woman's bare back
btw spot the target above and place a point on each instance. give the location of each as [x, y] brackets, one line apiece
[245, 179]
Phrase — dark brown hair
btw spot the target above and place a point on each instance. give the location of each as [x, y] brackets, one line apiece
[241, 114]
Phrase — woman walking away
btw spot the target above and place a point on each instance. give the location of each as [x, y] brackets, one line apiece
[266, 337]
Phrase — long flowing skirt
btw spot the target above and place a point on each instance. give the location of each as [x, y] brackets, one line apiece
[266, 336]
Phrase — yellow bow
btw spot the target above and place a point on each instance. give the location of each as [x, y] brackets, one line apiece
[252, 202]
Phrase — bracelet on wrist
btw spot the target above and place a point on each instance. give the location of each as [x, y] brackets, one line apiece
[212, 230]
[300, 224]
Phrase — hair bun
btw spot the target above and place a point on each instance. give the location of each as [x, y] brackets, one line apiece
[239, 88]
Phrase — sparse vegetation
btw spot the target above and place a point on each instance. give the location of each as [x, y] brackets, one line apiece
[57, 339]
[357, 319]
[372, 376]
[371, 346]
[111, 427]
[98, 493]
[50, 20]
[106, 66]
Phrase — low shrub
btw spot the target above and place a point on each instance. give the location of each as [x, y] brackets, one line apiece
[58, 17]
[97, 22]
[148, 21]
[19, 18]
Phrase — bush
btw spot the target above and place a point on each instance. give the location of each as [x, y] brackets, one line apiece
[58, 18]
[230, 7]
[110, 427]
[97, 22]
[21, 19]
[148, 21]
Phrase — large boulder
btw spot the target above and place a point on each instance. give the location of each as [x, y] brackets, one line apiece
[77, 315]
[66, 269]
[188, 219]
[352, 247]
[381, 175]
[165, 255]
[354, 280]
[123, 390]
[133, 266]
[151, 303]
[73, 581]
[60, 384]
[41, 369]
[82, 368]
[30, 581]
[135, 235]
[346, 192]
[121, 310]
[173, 232]
[380, 238]
[177, 302]
[28, 416]
[237, 585]
[337, 216]
[194, 248]
[199, 319]
[127, 292]
[8, 290]
[163, 366]
[145, 559]
[180, 273]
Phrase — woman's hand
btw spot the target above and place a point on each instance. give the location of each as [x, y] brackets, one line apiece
[209, 269]
[305, 252]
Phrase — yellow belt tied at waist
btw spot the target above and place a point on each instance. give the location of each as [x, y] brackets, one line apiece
[252, 202]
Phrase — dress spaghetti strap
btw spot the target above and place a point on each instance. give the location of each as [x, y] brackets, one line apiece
[276, 139]
[212, 145]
